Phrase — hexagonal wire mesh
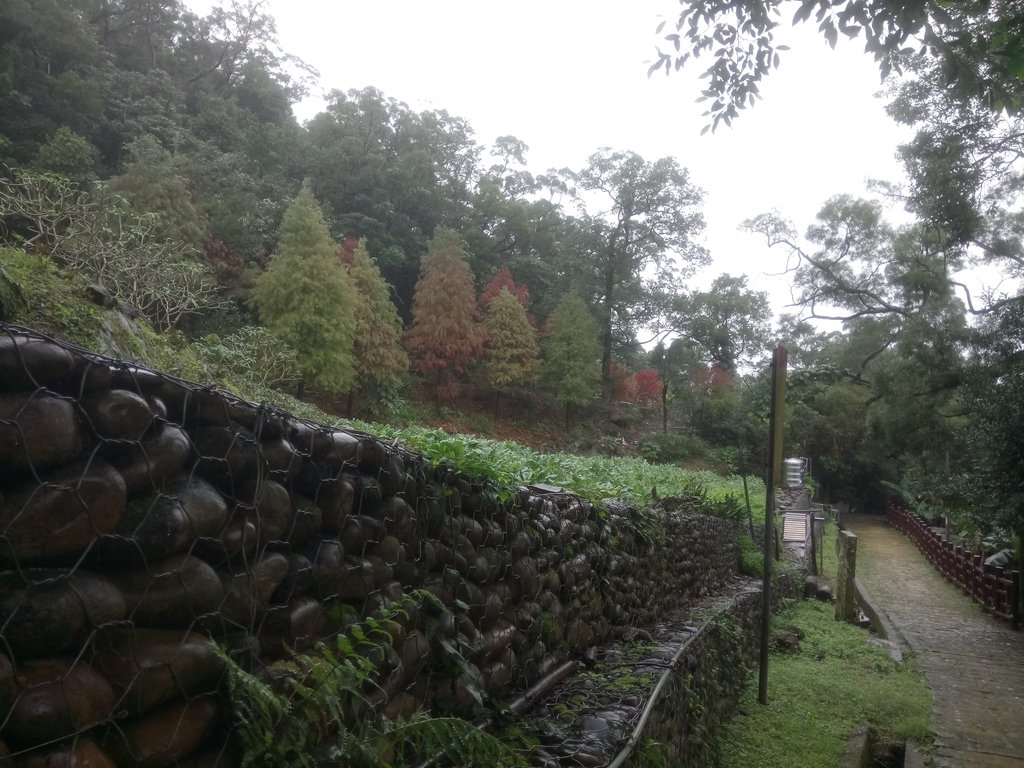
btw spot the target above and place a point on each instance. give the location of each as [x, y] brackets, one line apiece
[143, 516]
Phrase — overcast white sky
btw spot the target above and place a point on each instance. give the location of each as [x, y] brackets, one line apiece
[570, 76]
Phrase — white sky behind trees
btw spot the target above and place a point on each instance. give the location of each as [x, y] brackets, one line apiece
[570, 76]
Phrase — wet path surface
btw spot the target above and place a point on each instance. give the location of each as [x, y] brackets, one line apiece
[973, 662]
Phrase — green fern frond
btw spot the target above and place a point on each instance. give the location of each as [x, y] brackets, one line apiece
[324, 718]
[459, 741]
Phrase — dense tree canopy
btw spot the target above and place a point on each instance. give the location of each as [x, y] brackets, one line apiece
[728, 322]
[512, 357]
[646, 240]
[380, 358]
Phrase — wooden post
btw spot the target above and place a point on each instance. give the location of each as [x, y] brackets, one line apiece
[1017, 589]
[773, 476]
[814, 549]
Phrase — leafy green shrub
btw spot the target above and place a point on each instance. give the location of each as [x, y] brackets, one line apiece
[672, 448]
[387, 403]
[751, 558]
[251, 354]
[725, 457]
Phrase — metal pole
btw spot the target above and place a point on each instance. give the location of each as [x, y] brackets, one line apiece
[775, 423]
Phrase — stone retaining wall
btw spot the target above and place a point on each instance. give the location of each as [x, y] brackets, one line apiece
[703, 691]
[142, 516]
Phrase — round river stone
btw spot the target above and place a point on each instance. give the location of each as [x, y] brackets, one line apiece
[170, 593]
[161, 524]
[148, 667]
[147, 465]
[27, 363]
[60, 517]
[45, 612]
[167, 735]
[56, 699]
[117, 414]
[37, 431]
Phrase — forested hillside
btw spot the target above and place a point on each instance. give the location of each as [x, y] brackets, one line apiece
[151, 163]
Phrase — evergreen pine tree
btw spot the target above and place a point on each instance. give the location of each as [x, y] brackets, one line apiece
[307, 298]
[380, 358]
[571, 370]
[512, 357]
[445, 337]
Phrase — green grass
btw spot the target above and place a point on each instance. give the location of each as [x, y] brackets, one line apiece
[509, 464]
[817, 696]
[49, 299]
[820, 694]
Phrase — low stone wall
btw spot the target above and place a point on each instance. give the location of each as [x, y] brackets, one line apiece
[703, 690]
[142, 516]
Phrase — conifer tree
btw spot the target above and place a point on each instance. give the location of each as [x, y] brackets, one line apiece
[307, 298]
[380, 358]
[571, 370]
[504, 280]
[445, 337]
[512, 357]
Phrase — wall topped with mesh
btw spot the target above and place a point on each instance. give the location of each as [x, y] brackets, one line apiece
[158, 536]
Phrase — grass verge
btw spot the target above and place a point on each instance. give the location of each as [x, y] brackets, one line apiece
[835, 682]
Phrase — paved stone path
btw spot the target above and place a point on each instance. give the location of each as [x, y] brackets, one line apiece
[974, 663]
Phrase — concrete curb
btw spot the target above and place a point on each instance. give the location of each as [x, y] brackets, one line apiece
[883, 627]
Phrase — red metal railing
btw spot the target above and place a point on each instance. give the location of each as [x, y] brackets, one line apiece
[995, 588]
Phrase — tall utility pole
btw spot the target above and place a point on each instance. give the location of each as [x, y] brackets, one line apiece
[776, 420]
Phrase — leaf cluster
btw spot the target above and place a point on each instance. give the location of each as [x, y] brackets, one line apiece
[978, 49]
[251, 354]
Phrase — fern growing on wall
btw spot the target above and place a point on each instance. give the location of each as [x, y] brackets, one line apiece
[324, 716]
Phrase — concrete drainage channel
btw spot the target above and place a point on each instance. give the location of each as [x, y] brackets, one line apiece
[666, 691]
[866, 748]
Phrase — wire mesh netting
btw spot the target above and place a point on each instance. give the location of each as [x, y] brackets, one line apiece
[186, 577]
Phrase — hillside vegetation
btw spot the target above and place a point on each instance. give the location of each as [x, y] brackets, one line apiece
[40, 295]
[384, 263]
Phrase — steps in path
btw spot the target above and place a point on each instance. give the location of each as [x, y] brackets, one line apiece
[794, 527]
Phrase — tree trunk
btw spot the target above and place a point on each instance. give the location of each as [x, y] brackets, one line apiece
[664, 408]
[567, 417]
[350, 403]
[606, 319]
